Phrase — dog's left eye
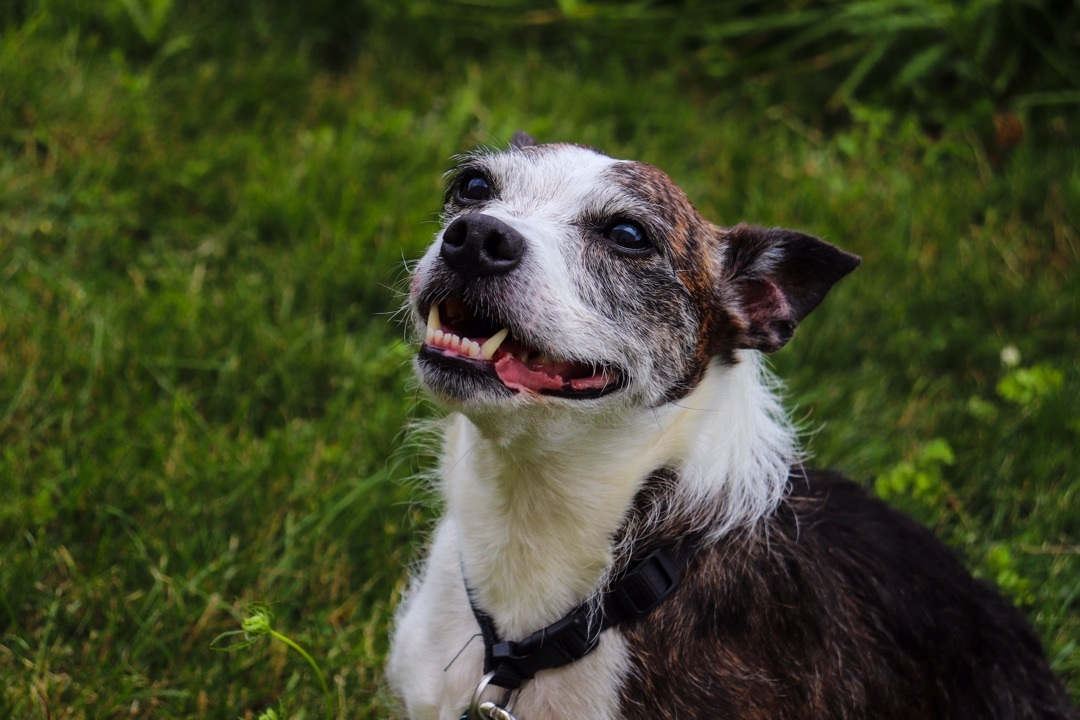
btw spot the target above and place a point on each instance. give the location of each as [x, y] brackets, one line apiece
[474, 188]
[629, 237]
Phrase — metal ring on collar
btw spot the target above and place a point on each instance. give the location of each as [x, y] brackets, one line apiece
[494, 712]
[474, 706]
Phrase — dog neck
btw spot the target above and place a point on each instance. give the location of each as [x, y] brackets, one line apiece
[538, 500]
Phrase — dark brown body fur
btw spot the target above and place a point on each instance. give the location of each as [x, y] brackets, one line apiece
[839, 607]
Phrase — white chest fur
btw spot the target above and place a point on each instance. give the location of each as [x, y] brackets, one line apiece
[532, 507]
[438, 624]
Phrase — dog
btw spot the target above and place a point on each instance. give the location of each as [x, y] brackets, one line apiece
[629, 529]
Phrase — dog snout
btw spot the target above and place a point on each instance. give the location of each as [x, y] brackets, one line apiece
[478, 244]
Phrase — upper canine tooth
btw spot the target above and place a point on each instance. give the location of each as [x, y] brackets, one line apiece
[487, 350]
[433, 321]
[453, 308]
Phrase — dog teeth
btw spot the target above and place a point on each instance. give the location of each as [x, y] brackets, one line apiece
[436, 336]
[453, 308]
[487, 350]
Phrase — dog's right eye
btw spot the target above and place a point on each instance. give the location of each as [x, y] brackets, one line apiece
[474, 188]
[629, 237]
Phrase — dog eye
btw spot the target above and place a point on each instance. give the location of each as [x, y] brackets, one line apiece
[474, 189]
[628, 236]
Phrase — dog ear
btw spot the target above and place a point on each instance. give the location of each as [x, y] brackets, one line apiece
[776, 277]
[522, 139]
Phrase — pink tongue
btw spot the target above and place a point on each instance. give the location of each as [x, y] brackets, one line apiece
[518, 376]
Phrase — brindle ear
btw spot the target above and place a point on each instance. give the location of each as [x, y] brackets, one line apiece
[777, 277]
[522, 139]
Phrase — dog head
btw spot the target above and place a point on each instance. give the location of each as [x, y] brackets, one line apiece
[564, 277]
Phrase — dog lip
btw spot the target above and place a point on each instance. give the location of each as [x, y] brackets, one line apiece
[484, 371]
[471, 342]
[453, 360]
[458, 376]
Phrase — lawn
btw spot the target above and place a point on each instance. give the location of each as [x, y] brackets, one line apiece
[206, 214]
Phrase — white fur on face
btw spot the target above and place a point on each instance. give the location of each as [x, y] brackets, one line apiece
[574, 297]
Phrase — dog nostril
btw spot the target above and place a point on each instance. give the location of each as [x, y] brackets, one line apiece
[504, 247]
[455, 234]
[478, 244]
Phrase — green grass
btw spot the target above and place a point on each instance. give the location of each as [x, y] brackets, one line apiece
[204, 220]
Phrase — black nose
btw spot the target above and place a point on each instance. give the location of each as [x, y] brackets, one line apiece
[477, 244]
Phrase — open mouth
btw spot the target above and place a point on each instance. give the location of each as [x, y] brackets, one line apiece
[461, 338]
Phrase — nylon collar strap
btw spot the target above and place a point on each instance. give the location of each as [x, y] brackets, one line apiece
[633, 595]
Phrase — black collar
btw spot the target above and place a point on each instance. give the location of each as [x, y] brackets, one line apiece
[631, 596]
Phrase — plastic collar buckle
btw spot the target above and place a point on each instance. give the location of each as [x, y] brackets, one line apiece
[556, 645]
[645, 585]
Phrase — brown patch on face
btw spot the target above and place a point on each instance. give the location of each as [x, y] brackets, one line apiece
[690, 243]
[749, 286]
